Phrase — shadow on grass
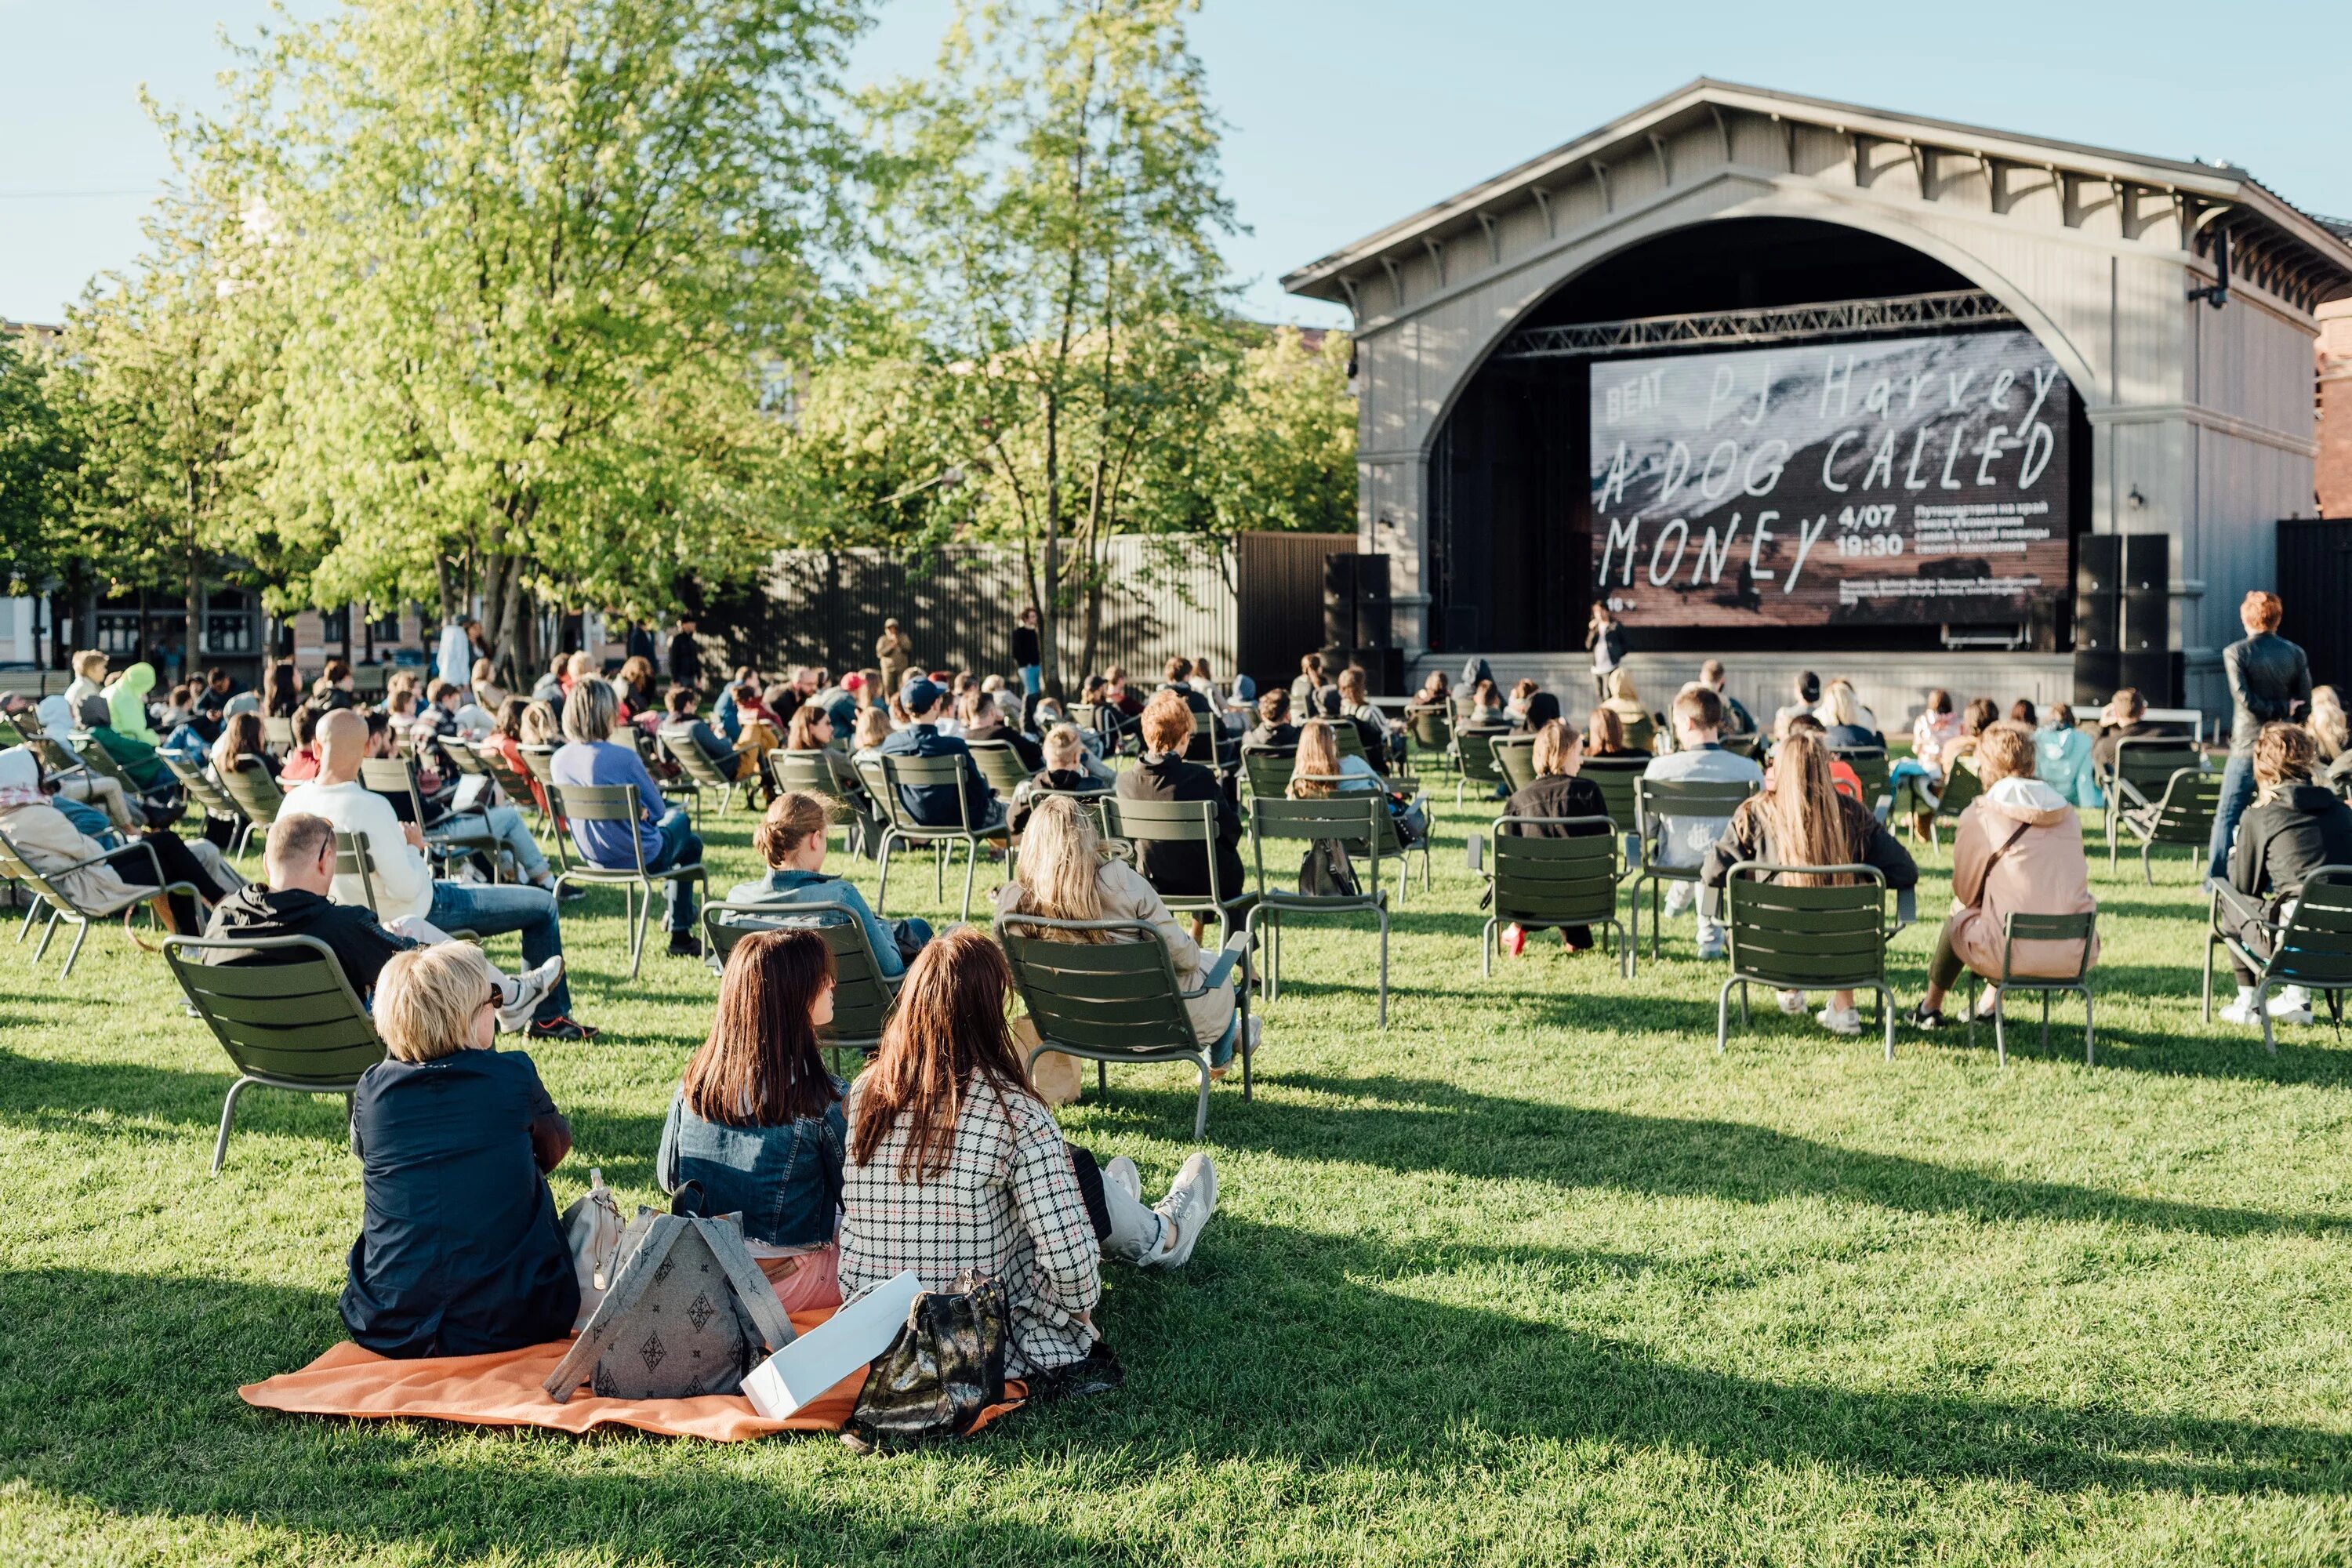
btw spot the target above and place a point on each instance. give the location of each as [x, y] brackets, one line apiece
[1423, 1124]
[113, 1381]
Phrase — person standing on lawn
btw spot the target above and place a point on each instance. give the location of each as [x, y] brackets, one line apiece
[1028, 654]
[2269, 683]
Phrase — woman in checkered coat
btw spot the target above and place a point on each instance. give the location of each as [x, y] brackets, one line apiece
[955, 1164]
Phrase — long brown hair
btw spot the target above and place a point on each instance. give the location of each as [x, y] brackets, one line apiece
[760, 1068]
[240, 735]
[1802, 815]
[950, 1027]
[1316, 761]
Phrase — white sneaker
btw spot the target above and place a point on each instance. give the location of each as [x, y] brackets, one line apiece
[527, 990]
[1121, 1174]
[2289, 1000]
[2242, 1013]
[1680, 897]
[1846, 1022]
[1988, 1003]
[1184, 1211]
[1792, 1003]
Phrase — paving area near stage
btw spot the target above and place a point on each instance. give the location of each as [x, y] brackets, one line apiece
[1534, 1276]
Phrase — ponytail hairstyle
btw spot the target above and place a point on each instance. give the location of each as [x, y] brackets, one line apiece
[791, 818]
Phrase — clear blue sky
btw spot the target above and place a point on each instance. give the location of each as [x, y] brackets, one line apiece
[1346, 114]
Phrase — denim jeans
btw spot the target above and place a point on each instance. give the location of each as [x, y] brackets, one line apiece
[506, 824]
[680, 845]
[2237, 793]
[1032, 679]
[490, 910]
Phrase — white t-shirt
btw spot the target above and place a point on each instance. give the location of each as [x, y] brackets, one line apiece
[403, 880]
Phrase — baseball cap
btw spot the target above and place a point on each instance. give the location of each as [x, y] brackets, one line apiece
[919, 695]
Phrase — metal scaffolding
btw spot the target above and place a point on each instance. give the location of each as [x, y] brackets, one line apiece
[1771, 324]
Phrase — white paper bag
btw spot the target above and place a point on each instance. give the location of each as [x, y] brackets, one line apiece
[813, 1363]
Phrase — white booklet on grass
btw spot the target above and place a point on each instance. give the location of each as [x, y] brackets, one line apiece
[814, 1362]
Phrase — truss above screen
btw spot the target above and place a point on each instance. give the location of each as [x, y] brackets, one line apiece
[1771, 324]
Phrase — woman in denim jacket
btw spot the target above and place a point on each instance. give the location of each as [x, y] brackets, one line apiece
[756, 1123]
[790, 838]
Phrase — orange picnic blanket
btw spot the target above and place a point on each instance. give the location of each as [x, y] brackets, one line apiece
[504, 1389]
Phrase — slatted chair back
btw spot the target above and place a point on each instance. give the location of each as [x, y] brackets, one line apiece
[1476, 750]
[515, 786]
[1743, 745]
[1430, 727]
[277, 735]
[1000, 764]
[1869, 764]
[1146, 822]
[355, 858]
[1350, 740]
[705, 776]
[57, 755]
[1355, 820]
[2182, 814]
[1615, 778]
[886, 776]
[1796, 938]
[2038, 928]
[214, 801]
[463, 758]
[1543, 883]
[1105, 991]
[616, 803]
[1514, 759]
[1961, 788]
[1655, 801]
[284, 1012]
[254, 792]
[2145, 765]
[862, 998]
[805, 772]
[1268, 768]
[98, 760]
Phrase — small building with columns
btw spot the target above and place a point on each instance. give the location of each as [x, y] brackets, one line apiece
[2003, 413]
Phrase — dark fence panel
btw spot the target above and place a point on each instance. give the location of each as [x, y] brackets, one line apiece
[957, 606]
[2315, 577]
[1281, 602]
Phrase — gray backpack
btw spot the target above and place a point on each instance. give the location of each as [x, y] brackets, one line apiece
[689, 1314]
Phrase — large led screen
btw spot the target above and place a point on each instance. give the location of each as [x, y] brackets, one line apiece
[1902, 480]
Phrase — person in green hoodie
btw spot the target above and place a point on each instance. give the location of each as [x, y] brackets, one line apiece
[126, 701]
[135, 757]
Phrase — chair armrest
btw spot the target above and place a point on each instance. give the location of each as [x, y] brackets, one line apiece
[1221, 972]
[1906, 907]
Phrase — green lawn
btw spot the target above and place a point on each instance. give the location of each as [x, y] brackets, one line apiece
[1534, 1276]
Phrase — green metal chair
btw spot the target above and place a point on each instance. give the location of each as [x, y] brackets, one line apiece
[2014, 929]
[886, 776]
[64, 909]
[1345, 818]
[2182, 814]
[97, 760]
[1655, 800]
[1145, 821]
[254, 793]
[1962, 786]
[1000, 764]
[676, 784]
[516, 786]
[811, 773]
[1545, 883]
[462, 757]
[1614, 777]
[2311, 948]
[286, 1014]
[862, 996]
[277, 735]
[355, 858]
[2143, 766]
[615, 803]
[454, 836]
[1870, 765]
[200, 788]
[1474, 757]
[1805, 938]
[1514, 759]
[1118, 1000]
[706, 776]
[1267, 769]
[1429, 729]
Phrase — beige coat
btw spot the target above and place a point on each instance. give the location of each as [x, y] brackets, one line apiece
[1126, 896]
[2043, 872]
[46, 839]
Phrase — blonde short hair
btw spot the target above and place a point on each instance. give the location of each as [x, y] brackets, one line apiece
[1062, 744]
[89, 664]
[427, 999]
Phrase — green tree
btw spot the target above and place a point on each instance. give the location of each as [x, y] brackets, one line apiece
[544, 257]
[1049, 217]
[37, 461]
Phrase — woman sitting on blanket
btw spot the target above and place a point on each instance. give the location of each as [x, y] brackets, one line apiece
[460, 1252]
[955, 1164]
[757, 1120]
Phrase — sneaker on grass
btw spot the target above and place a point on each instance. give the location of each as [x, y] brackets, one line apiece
[526, 992]
[1847, 1021]
[1184, 1213]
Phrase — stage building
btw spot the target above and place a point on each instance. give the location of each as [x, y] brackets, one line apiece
[1807, 385]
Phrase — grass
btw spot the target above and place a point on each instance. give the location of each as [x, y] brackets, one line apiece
[1534, 1276]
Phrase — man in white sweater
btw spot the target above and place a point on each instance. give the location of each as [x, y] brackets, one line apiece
[406, 888]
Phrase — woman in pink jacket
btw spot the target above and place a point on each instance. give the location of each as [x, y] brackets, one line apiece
[2018, 850]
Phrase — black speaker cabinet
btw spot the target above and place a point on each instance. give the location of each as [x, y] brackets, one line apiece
[2145, 623]
[2147, 562]
[2097, 674]
[1383, 669]
[2153, 675]
[2097, 625]
[2098, 565]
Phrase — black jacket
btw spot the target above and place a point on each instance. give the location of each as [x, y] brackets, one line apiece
[684, 660]
[2102, 750]
[1181, 869]
[2268, 677]
[1032, 755]
[1265, 737]
[1746, 839]
[2283, 841]
[360, 945]
[1026, 651]
[1559, 795]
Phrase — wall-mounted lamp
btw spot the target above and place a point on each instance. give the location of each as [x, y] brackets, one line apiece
[2135, 500]
[2216, 293]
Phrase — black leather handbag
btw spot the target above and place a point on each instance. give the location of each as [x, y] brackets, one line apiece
[946, 1366]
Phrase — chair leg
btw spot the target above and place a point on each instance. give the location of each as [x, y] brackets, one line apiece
[2090, 1038]
[81, 934]
[1384, 966]
[2206, 996]
[940, 850]
[882, 864]
[1486, 950]
[228, 1114]
[47, 930]
[2000, 1027]
[2263, 1010]
[1886, 1018]
[1200, 1111]
[2045, 1023]
[970, 868]
[1722, 1014]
